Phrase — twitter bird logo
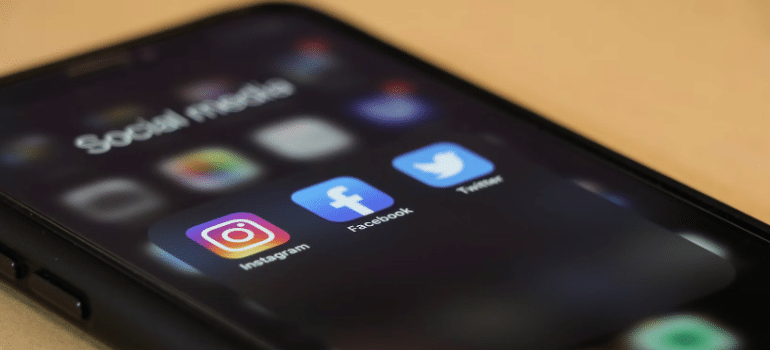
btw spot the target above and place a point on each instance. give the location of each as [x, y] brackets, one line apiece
[443, 164]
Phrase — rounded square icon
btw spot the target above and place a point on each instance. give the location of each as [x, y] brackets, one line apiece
[304, 138]
[309, 62]
[443, 164]
[211, 169]
[238, 235]
[342, 199]
[113, 200]
[27, 150]
[396, 105]
[680, 332]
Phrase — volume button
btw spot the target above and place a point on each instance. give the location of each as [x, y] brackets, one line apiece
[42, 284]
[9, 266]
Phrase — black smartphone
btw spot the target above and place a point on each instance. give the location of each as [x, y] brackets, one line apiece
[273, 178]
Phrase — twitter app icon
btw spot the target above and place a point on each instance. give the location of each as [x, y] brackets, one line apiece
[443, 164]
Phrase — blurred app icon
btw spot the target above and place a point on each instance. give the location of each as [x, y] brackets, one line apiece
[205, 89]
[113, 200]
[443, 164]
[116, 116]
[304, 138]
[26, 149]
[211, 169]
[395, 105]
[309, 61]
[681, 332]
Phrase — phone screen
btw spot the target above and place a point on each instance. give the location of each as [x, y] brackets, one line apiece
[276, 165]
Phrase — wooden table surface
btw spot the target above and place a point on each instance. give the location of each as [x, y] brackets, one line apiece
[682, 86]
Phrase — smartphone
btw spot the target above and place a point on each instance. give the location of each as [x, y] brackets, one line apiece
[272, 178]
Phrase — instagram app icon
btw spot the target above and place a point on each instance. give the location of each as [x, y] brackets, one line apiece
[238, 235]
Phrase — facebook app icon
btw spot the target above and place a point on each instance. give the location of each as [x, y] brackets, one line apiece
[342, 199]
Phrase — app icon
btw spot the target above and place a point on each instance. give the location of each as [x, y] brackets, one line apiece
[304, 138]
[310, 61]
[116, 116]
[681, 332]
[443, 164]
[396, 105]
[238, 235]
[211, 169]
[342, 199]
[28, 149]
[205, 89]
[113, 200]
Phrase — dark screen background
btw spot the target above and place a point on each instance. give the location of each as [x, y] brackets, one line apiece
[568, 251]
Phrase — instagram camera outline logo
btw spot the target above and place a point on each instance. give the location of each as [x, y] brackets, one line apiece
[202, 234]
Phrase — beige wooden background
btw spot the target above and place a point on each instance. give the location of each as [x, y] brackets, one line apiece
[680, 85]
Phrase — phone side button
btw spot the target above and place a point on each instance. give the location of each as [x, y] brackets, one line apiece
[9, 266]
[51, 292]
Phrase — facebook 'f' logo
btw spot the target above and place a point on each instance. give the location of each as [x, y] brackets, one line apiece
[342, 199]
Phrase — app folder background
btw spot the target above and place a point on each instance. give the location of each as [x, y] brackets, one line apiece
[527, 265]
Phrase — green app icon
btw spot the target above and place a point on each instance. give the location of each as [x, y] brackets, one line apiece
[682, 332]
